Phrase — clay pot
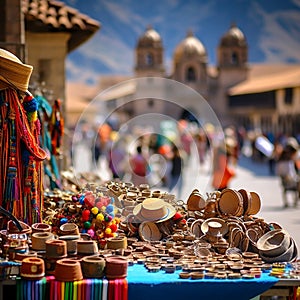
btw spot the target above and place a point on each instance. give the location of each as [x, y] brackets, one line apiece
[69, 229]
[32, 268]
[71, 241]
[56, 249]
[93, 266]
[41, 227]
[39, 239]
[12, 228]
[21, 256]
[116, 267]
[195, 201]
[87, 247]
[68, 270]
[117, 242]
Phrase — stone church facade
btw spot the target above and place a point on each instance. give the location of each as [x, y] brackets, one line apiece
[255, 96]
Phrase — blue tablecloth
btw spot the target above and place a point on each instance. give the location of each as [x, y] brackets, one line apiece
[143, 285]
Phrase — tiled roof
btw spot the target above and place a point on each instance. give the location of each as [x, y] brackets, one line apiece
[55, 16]
[264, 78]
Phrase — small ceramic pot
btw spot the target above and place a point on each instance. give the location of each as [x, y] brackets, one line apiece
[116, 267]
[71, 241]
[56, 249]
[93, 266]
[41, 227]
[69, 229]
[32, 268]
[68, 270]
[12, 228]
[39, 239]
[87, 247]
[21, 256]
[146, 193]
[117, 243]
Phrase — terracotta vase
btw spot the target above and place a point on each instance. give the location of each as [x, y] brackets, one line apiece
[68, 270]
[12, 228]
[71, 241]
[87, 247]
[116, 267]
[69, 229]
[93, 266]
[56, 249]
[39, 239]
[21, 256]
[119, 242]
[41, 227]
[32, 268]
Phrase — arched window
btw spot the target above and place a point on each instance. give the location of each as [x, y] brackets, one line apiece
[190, 74]
[234, 58]
[149, 59]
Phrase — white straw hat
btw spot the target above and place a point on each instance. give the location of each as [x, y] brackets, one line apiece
[154, 209]
[13, 72]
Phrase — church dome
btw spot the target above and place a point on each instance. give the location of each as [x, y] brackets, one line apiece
[190, 46]
[150, 38]
[233, 37]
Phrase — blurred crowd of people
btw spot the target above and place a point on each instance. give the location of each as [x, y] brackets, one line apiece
[144, 156]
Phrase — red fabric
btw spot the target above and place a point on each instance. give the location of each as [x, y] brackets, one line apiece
[111, 290]
[223, 173]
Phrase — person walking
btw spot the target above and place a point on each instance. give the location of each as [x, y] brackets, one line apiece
[176, 176]
[139, 167]
[287, 170]
[222, 171]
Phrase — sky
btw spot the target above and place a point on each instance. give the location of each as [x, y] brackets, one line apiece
[271, 28]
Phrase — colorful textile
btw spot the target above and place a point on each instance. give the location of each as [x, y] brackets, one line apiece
[92, 289]
[21, 176]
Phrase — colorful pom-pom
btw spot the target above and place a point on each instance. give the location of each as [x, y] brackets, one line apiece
[87, 225]
[109, 208]
[113, 227]
[95, 210]
[63, 221]
[107, 231]
[86, 215]
[91, 233]
[100, 218]
[108, 218]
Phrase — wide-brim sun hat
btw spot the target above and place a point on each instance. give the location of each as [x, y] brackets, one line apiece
[214, 226]
[13, 73]
[154, 210]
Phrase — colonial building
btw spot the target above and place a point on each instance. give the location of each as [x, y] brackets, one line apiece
[42, 33]
[256, 96]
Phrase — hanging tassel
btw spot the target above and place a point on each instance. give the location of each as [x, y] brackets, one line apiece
[56, 127]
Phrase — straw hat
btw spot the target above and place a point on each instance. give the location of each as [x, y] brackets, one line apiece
[13, 72]
[214, 226]
[154, 209]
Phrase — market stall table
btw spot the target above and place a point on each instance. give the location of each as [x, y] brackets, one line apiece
[160, 285]
[141, 284]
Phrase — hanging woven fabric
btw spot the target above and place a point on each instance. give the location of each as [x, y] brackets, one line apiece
[21, 156]
[22, 193]
[56, 127]
[50, 166]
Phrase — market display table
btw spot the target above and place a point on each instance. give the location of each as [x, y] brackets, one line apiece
[142, 285]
